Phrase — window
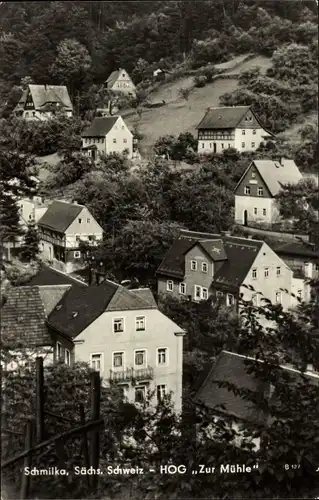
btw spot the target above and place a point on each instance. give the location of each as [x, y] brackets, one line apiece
[255, 211]
[254, 274]
[219, 294]
[253, 175]
[254, 299]
[140, 358]
[169, 286]
[77, 254]
[140, 323]
[222, 146]
[204, 293]
[203, 145]
[125, 141]
[278, 270]
[33, 113]
[96, 362]
[264, 211]
[88, 221]
[27, 113]
[162, 356]
[254, 131]
[243, 132]
[67, 357]
[266, 272]
[230, 299]
[252, 144]
[80, 221]
[193, 265]
[140, 393]
[114, 141]
[278, 297]
[77, 238]
[247, 189]
[260, 191]
[198, 292]
[210, 145]
[118, 325]
[160, 392]
[182, 288]
[118, 359]
[204, 267]
[58, 351]
[242, 144]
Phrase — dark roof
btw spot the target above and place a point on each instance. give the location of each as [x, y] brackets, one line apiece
[45, 94]
[100, 126]
[223, 117]
[23, 317]
[241, 254]
[49, 276]
[113, 77]
[301, 249]
[60, 215]
[231, 367]
[173, 263]
[80, 307]
[237, 253]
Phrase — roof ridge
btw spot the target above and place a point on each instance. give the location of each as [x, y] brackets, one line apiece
[66, 275]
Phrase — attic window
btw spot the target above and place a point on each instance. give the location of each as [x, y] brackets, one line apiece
[74, 314]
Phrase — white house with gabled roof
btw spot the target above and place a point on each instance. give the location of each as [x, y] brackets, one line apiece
[41, 102]
[105, 135]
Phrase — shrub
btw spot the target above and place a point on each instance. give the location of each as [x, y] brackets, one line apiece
[200, 81]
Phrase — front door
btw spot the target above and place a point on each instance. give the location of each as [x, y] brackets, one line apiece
[245, 218]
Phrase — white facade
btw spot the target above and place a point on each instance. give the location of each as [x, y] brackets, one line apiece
[117, 140]
[159, 333]
[35, 115]
[242, 139]
[31, 210]
[269, 275]
[259, 209]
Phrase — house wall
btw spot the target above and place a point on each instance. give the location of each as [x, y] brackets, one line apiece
[120, 133]
[300, 289]
[268, 286]
[64, 344]
[297, 262]
[252, 204]
[99, 142]
[124, 84]
[87, 227]
[159, 333]
[30, 115]
[219, 139]
[250, 140]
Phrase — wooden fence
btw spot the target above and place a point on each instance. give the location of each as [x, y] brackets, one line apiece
[35, 427]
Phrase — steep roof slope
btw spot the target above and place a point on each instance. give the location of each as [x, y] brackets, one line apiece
[47, 275]
[223, 117]
[232, 368]
[275, 173]
[60, 215]
[46, 94]
[23, 318]
[100, 126]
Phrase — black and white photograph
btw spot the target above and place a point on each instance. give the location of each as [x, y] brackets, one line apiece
[159, 250]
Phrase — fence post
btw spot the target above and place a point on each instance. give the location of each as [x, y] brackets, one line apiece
[95, 435]
[85, 446]
[39, 400]
[25, 479]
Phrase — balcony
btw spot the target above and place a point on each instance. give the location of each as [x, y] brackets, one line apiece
[132, 375]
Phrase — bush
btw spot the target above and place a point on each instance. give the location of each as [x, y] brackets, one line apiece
[200, 81]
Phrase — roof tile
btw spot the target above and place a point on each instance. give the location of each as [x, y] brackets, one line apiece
[60, 215]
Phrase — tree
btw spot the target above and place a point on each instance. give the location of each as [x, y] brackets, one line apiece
[30, 248]
[72, 63]
[299, 203]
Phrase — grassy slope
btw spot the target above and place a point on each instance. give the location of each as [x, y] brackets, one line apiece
[181, 116]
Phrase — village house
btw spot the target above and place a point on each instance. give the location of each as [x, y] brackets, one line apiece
[159, 75]
[122, 334]
[120, 81]
[61, 229]
[256, 191]
[227, 268]
[41, 102]
[105, 135]
[230, 127]
[242, 414]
